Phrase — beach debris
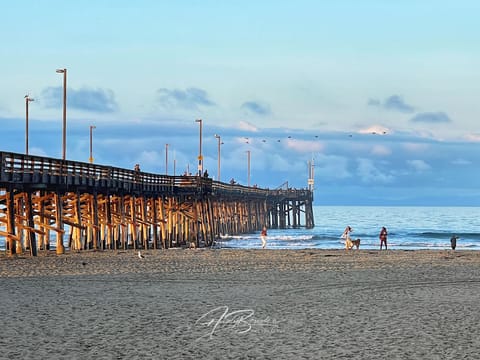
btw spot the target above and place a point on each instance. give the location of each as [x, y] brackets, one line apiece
[140, 255]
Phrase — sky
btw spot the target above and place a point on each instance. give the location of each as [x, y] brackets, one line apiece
[381, 96]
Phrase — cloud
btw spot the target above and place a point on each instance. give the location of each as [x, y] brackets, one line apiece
[94, 100]
[415, 147]
[392, 103]
[149, 157]
[368, 172]
[375, 129]
[245, 125]
[472, 137]
[381, 150]
[461, 162]
[305, 146]
[418, 165]
[190, 98]
[331, 167]
[256, 108]
[431, 117]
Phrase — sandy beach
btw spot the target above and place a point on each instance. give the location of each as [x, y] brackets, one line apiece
[241, 304]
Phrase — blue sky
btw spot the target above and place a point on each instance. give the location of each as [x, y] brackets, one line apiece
[382, 95]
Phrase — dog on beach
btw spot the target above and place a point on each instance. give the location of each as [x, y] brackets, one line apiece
[355, 243]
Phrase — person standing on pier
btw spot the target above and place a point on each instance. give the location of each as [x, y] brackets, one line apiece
[137, 172]
[263, 236]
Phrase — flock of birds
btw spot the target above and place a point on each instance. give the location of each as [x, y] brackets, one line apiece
[247, 140]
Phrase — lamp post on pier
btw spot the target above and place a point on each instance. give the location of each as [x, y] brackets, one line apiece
[91, 143]
[64, 127]
[218, 165]
[27, 100]
[200, 157]
[248, 167]
[166, 159]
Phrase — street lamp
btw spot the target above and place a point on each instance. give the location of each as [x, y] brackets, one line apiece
[166, 159]
[27, 100]
[91, 143]
[248, 167]
[64, 132]
[218, 165]
[200, 157]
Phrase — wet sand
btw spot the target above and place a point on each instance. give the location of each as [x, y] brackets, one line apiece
[241, 304]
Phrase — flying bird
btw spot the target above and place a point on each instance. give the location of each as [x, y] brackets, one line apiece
[140, 255]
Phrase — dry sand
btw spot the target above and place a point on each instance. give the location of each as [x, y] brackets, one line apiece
[241, 304]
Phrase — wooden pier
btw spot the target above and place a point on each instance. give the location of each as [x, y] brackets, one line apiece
[88, 206]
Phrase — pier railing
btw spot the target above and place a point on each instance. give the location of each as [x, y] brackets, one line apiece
[37, 172]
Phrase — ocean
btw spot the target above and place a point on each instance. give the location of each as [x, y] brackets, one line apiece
[409, 228]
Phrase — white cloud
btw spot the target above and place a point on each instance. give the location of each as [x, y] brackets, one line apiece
[368, 172]
[245, 125]
[472, 137]
[461, 162]
[415, 147]
[419, 165]
[150, 158]
[328, 167]
[375, 129]
[304, 146]
[381, 150]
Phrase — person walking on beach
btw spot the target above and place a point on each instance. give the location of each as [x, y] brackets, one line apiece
[453, 241]
[383, 237]
[346, 236]
[263, 236]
